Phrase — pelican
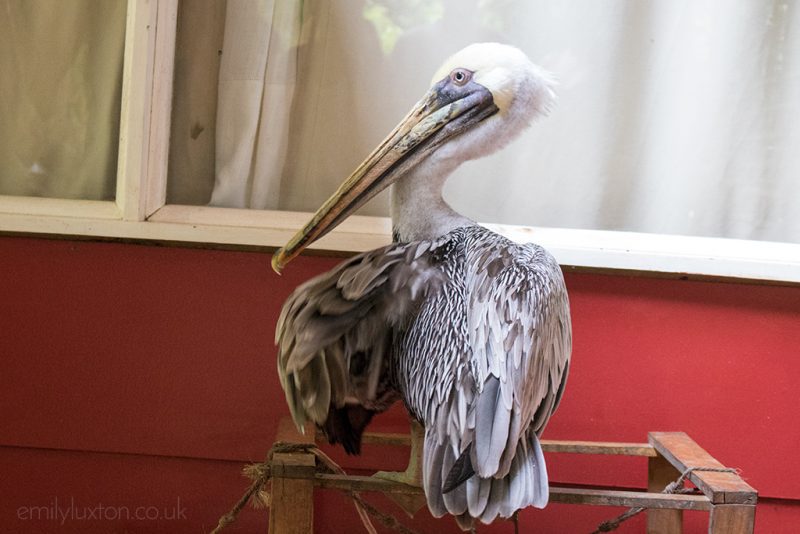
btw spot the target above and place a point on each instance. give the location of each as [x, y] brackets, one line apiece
[471, 330]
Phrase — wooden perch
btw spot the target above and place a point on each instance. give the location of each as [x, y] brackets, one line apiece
[672, 456]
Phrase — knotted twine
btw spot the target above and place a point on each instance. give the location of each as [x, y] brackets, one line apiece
[260, 475]
[676, 486]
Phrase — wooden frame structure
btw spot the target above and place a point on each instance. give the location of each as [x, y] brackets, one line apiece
[730, 501]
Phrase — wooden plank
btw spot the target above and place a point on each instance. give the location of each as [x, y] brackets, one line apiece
[732, 519]
[548, 445]
[137, 86]
[597, 447]
[155, 187]
[271, 227]
[660, 473]
[58, 207]
[557, 494]
[364, 483]
[292, 499]
[641, 252]
[386, 438]
[682, 452]
[633, 499]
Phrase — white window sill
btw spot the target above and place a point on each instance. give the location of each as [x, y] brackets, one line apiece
[694, 257]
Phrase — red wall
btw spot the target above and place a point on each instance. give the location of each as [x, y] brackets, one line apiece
[141, 378]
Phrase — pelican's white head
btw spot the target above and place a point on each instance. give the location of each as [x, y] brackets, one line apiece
[521, 90]
[480, 99]
[506, 72]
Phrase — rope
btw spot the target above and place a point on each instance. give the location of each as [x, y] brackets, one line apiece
[254, 488]
[671, 488]
[260, 475]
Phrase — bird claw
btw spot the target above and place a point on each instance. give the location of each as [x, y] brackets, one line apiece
[412, 476]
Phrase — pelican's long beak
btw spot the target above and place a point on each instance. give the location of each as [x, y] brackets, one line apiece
[442, 113]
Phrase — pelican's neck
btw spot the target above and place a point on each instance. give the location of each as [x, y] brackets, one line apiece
[418, 209]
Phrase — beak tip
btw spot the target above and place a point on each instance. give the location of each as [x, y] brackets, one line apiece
[277, 261]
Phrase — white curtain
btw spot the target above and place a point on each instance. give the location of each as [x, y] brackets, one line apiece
[60, 90]
[256, 86]
[675, 116]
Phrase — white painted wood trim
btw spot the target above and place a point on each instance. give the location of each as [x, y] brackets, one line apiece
[273, 228]
[57, 208]
[137, 88]
[603, 250]
[161, 106]
[662, 253]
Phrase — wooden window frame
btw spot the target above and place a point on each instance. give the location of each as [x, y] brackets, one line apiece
[140, 211]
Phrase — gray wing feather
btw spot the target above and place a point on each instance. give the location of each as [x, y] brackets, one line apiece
[518, 334]
[483, 365]
[334, 332]
[520, 323]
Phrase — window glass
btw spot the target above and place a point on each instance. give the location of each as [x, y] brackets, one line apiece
[60, 87]
[674, 116]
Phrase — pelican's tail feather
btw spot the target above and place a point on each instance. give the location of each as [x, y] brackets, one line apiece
[481, 498]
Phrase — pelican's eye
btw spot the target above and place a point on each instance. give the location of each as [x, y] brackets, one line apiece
[460, 76]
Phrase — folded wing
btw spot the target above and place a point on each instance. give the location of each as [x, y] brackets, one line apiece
[335, 336]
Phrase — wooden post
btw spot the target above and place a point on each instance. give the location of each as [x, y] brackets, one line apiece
[733, 500]
[732, 519]
[660, 473]
[720, 487]
[291, 509]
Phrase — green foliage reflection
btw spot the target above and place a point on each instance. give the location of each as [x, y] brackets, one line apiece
[392, 18]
